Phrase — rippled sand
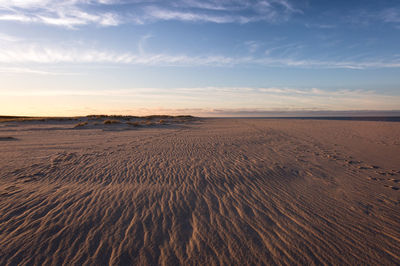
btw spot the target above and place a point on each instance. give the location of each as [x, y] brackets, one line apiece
[211, 192]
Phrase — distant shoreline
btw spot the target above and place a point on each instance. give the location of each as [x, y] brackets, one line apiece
[395, 118]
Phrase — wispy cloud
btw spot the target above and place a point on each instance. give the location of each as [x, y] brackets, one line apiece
[213, 100]
[155, 13]
[68, 14]
[285, 50]
[25, 70]
[142, 43]
[74, 13]
[283, 112]
[8, 38]
[252, 46]
[279, 91]
[17, 54]
[390, 15]
[222, 11]
[320, 26]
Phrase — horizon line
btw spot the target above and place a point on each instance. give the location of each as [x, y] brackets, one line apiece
[220, 113]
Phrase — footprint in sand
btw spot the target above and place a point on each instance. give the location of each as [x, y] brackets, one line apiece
[353, 162]
[368, 167]
[376, 178]
[386, 173]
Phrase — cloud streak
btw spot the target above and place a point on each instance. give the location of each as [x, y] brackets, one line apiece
[22, 54]
[74, 13]
[25, 70]
[390, 15]
[228, 11]
[212, 101]
[69, 14]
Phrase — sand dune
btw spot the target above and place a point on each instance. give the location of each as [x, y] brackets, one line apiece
[211, 192]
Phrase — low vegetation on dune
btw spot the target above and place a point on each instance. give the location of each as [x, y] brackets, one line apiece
[119, 118]
[81, 124]
[134, 124]
[119, 121]
[111, 117]
[147, 123]
[35, 119]
[137, 121]
[110, 122]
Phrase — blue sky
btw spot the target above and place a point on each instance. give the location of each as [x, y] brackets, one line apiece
[201, 57]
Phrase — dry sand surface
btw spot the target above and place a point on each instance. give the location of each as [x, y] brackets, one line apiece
[208, 192]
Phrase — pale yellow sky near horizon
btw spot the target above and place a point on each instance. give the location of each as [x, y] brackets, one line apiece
[194, 101]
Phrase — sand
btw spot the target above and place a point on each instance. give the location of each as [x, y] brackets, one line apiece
[209, 192]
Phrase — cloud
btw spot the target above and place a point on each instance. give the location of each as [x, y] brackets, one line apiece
[23, 53]
[285, 49]
[217, 101]
[8, 38]
[320, 26]
[277, 91]
[155, 13]
[142, 43]
[69, 14]
[74, 13]
[24, 70]
[252, 46]
[226, 11]
[17, 17]
[390, 15]
[76, 18]
[284, 112]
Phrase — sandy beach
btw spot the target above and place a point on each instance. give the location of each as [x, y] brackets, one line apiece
[203, 192]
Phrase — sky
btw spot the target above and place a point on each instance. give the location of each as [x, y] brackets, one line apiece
[210, 58]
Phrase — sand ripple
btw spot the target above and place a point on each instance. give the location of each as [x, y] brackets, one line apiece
[220, 192]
